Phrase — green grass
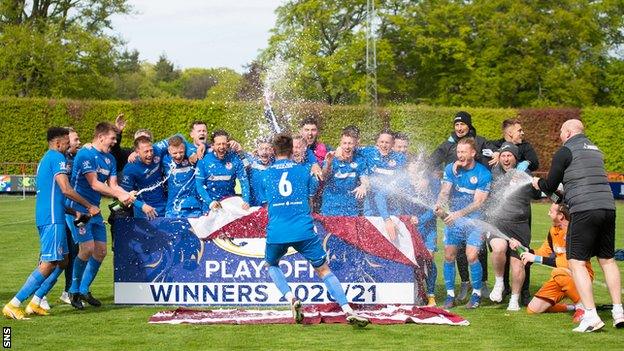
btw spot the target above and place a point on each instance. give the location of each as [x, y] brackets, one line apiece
[121, 327]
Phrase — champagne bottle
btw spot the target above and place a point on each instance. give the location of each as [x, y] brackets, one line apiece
[116, 205]
[82, 220]
[521, 249]
[556, 196]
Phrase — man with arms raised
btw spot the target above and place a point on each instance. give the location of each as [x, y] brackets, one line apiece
[217, 173]
[467, 191]
[345, 180]
[579, 166]
[289, 188]
[52, 188]
[94, 174]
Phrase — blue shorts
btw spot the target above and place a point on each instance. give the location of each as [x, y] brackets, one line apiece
[429, 235]
[94, 230]
[53, 241]
[311, 249]
[459, 233]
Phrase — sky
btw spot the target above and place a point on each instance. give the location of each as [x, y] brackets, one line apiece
[198, 33]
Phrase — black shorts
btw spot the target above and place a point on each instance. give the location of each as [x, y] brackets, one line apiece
[520, 231]
[591, 233]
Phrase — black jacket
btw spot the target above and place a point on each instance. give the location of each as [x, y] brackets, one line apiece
[447, 151]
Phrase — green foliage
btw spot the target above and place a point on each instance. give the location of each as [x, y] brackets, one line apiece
[605, 127]
[427, 126]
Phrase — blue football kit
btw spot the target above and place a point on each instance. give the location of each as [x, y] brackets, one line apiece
[338, 198]
[383, 171]
[255, 172]
[182, 198]
[90, 160]
[136, 176]
[215, 178]
[50, 207]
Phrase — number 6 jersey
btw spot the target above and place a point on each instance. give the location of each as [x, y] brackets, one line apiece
[288, 187]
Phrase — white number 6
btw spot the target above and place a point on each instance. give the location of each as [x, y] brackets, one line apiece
[284, 186]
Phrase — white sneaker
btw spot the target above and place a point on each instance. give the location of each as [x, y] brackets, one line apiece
[618, 320]
[44, 304]
[65, 298]
[589, 325]
[496, 295]
[513, 306]
[357, 320]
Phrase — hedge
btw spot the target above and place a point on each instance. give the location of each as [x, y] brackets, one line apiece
[23, 123]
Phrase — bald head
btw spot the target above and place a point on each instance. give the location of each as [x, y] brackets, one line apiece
[571, 128]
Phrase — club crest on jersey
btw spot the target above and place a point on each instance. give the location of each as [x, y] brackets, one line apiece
[353, 165]
[156, 159]
[107, 160]
[473, 180]
[228, 165]
[82, 230]
[392, 163]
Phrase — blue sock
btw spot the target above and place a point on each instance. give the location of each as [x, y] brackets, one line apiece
[279, 279]
[33, 283]
[335, 289]
[89, 275]
[449, 275]
[476, 274]
[47, 285]
[79, 267]
[432, 276]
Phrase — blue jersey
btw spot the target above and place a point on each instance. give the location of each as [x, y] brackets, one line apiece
[216, 177]
[309, 158]
[288, 187]
[90, 160]
[255, 171]
[49, 206]
[465, 184]
[338, 198]
[182, 198]
[383, 171]
[136, 176]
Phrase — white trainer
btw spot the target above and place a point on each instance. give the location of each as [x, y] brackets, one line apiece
[44, 304]
[65, 298]
[513, 306]
[496, 295]
[618, 320]
[588, 325]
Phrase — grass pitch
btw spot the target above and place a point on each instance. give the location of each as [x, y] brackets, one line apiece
[120, 327]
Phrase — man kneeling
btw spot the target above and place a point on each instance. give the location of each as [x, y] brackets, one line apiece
[553, 253]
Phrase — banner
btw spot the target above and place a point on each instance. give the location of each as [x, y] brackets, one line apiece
[164, 262]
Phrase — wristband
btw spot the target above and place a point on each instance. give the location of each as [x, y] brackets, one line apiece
[538, 259]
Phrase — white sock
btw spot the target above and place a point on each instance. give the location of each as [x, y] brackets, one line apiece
[289, 296]
[476, 291]
[591, 313]
[579, 305]
[346, 308]
[514, 299]
[498, 281]
[450, 293]
[15, 302]
[617, 309]
[36, 300]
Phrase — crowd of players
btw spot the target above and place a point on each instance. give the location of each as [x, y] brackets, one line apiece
[176, 177]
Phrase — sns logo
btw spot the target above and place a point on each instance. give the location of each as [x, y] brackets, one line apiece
[63, 166]
[86, 164]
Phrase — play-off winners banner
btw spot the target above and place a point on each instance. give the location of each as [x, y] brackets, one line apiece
[218, 260]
